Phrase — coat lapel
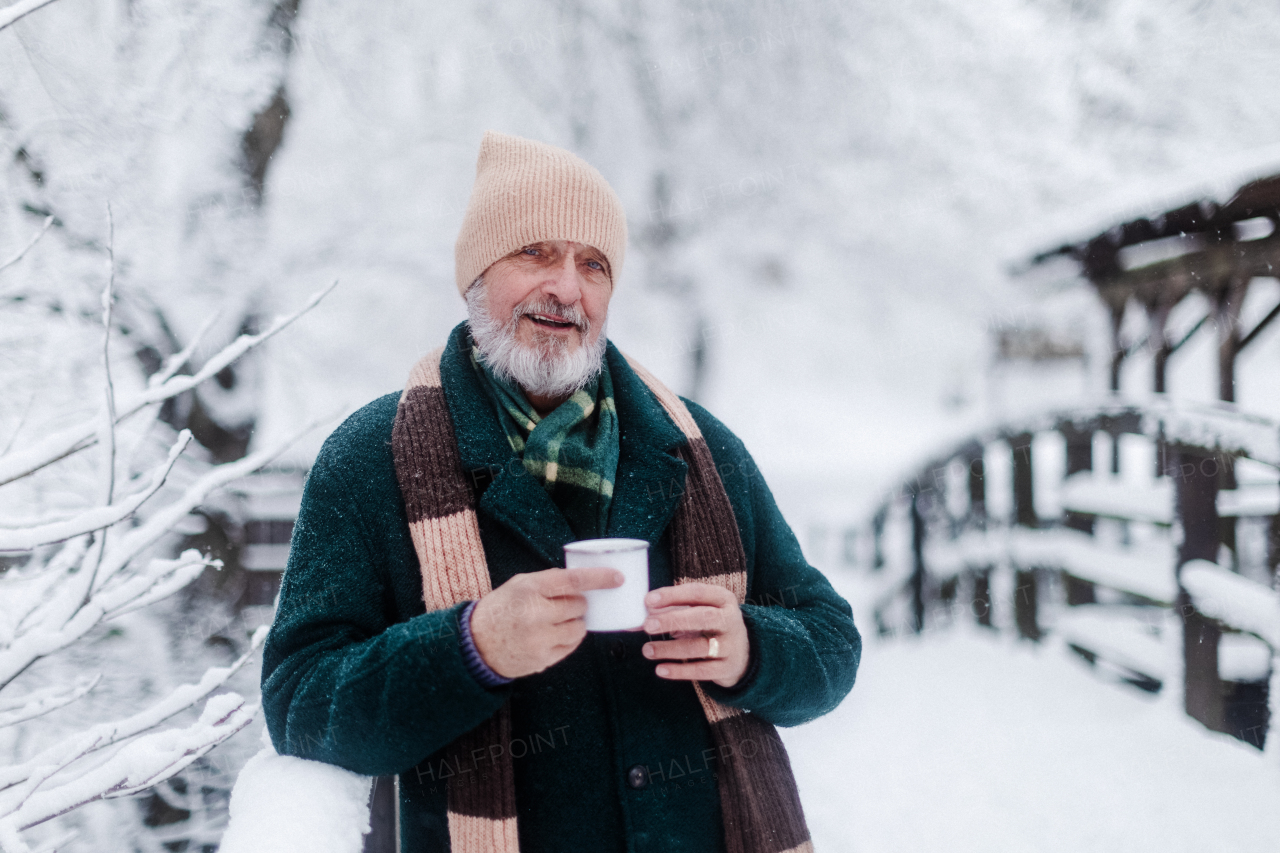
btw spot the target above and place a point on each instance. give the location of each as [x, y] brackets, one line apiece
[649, 481]
[650, 476]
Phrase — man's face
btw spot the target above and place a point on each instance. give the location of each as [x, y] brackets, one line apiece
[538, 318]
[562, 290]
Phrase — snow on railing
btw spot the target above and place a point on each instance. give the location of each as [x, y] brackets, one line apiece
[1145, 572]
[1214, 426]
[1234, 600]
[970, 523]
[1092, 494]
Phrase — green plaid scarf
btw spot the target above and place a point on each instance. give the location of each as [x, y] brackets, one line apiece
[573, 451]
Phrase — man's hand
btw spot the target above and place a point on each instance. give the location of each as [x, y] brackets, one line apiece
[695, 613]
[535, 619]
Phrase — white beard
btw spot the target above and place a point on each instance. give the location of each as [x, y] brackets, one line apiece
[548, 369]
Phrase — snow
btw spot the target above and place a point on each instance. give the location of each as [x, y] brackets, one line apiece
[968, 743]
[23, 535]
[23, 7]
[847, 308]
[1217, 181]
[1146, 570]
[1101, 494]
[1250, 499]
[1241, 603]
[1242, 657]
[283, 804]
[1224, 426]
[1116, 633]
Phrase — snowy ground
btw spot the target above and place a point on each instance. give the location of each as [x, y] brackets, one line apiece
[963, 741]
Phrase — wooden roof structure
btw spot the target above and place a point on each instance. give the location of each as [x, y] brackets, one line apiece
[1204, 245]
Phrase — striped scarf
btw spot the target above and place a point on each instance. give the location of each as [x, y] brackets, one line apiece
[573, 451]
[758, 797]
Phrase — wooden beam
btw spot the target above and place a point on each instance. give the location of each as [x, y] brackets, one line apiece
[1229, 297]
[1204, 270]
[1190, 333]
[1262, 324]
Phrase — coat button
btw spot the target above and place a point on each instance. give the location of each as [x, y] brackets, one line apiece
[618, 649]
[638, 776]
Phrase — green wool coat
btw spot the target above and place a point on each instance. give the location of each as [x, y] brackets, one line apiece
[356, 674]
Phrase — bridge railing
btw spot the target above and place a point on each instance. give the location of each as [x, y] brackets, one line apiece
[1145, 537]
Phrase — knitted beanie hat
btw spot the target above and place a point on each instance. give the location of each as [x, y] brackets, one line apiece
[526, 192]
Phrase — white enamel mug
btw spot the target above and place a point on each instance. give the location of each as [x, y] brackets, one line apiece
[621, 608]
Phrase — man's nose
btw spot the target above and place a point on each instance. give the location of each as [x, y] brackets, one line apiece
[562, 281]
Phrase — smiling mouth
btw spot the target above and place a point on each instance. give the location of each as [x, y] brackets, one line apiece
[548, 322]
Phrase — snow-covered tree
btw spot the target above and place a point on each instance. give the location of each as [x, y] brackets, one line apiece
[89, 511]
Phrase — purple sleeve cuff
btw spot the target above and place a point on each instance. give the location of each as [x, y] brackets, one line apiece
[471, 655]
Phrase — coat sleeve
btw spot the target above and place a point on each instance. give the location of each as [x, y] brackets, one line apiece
[805, 648]
[344, 679]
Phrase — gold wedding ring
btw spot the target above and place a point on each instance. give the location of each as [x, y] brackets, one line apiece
[713, 647]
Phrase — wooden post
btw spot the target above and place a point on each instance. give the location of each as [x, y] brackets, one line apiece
[1117, 346]
[1024, 507]
[1196, 478]
[982, 597]
[1226, 315]
[382, 837]
[917, 557]
[977, 487]
[1024, 513]
[1273, 551]
[981, 603]
[877, 537]
[1079, 458]
[1158, 340]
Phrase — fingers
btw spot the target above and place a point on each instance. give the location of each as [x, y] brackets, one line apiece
[559, 582]
[686, 648]
[714, 619]
[707, 670]
[689, 594]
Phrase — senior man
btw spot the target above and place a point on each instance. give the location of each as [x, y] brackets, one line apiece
[426, 628]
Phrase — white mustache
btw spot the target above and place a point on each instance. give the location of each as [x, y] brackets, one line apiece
[554, 308]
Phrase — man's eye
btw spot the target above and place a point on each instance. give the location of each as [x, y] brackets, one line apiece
[595, 265]
[529, 250]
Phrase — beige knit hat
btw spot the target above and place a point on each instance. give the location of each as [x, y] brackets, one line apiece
[526, 192]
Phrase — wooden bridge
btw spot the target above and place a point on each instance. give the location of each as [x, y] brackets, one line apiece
[1144, 535]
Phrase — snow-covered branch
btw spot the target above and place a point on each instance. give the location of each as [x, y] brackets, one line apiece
[48, 221]
[140, 764]
[18, 709]
[136, 540]
[21, 783]
[73, 439]
[20, 10]
[23, 536]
